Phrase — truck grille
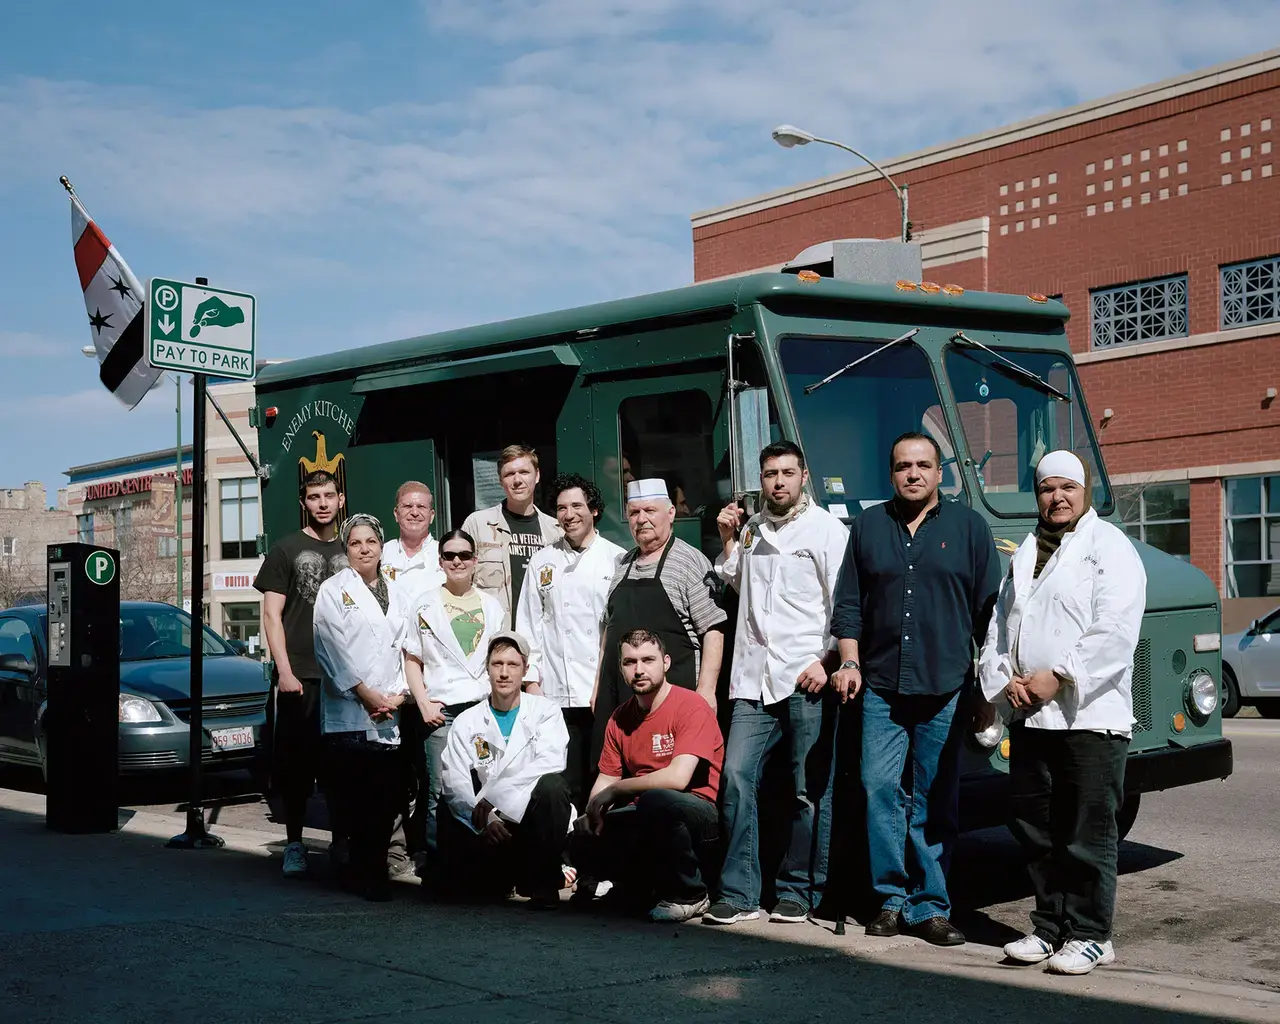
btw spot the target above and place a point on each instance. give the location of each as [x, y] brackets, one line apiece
[239, 706]
[1142, 685]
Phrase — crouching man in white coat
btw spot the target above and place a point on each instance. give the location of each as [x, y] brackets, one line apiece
[503, 785]
[1058, 663]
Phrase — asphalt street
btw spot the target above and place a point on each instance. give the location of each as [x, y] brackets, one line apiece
[116, 928]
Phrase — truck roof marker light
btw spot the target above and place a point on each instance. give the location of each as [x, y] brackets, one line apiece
[271, 412]
[1037, 297]
[809, 276]
[952, 289]
[929, 288]
[1179, 722]
[904, 285]
[1205, 642]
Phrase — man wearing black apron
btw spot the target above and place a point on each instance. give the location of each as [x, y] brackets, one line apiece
[677, 599]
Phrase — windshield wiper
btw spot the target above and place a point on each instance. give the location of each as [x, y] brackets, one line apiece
[811, 388]
[1019, 372]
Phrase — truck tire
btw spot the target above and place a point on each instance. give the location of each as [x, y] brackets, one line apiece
[1230, 693]
[1128, 813]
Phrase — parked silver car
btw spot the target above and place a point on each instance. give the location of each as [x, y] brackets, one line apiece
[1251, 668]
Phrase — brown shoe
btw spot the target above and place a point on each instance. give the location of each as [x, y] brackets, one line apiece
[884, 924]
[938, 931]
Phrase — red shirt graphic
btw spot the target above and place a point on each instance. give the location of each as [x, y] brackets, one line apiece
[636, 743]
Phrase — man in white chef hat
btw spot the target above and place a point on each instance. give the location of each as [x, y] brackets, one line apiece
[1058, 663]
[669, 588]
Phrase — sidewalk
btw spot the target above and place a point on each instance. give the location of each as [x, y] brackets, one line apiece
[116, 928]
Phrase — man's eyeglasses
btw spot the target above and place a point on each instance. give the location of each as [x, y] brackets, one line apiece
[457, 556]
[414, 508]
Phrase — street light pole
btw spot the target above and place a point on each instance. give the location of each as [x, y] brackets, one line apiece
[177, 484]
[788, 135]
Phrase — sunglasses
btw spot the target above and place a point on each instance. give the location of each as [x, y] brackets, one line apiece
[457, 556]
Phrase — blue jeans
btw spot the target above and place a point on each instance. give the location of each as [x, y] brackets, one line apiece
[425, 809]
[909, 741]
[806, 722]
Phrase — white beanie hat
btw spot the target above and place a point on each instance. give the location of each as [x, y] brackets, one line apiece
[1060, 463]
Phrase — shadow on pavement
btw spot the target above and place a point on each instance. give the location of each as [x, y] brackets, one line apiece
[116, 928]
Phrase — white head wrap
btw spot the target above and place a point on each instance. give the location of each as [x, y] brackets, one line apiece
[1060, 463]
[644, 490]
[359, 519]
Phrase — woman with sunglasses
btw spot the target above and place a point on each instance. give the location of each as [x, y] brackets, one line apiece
[445, 664]
[361, 628]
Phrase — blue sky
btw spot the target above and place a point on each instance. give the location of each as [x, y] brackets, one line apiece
[388, 169]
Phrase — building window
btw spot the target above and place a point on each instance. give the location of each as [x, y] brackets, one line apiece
[167, 547]
[239, 500]
[9, 546]
[1159, 515]
[1132, 313]
[1253, 536]
[1251, 292]
[122, 520]
[84, 528]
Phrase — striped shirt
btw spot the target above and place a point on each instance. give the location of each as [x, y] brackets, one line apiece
[690, 584]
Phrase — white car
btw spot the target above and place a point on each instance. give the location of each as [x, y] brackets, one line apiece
[1251, 668]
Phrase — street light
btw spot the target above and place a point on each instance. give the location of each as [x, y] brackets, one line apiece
[89, 352]
[788, 135]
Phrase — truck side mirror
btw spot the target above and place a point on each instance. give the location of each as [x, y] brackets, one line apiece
[750, 435]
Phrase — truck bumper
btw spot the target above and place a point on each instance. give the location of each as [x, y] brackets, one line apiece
[1147, 771]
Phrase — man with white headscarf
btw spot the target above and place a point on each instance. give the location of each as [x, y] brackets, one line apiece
[1058, 663]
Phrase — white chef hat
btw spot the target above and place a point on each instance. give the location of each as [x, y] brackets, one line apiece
[1060, 463]
[642, 490]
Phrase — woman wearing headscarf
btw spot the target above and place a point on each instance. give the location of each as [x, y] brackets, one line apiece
[360, 630]
[1058, 664]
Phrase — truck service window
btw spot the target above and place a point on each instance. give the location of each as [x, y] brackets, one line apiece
[669, 436]
[847, 426]
[1009, 423]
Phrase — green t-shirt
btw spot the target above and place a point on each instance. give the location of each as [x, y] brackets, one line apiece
[466, 617]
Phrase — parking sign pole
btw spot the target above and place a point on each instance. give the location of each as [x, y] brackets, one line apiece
[196, 836]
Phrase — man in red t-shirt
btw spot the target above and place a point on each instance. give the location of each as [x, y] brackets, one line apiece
[651, 825]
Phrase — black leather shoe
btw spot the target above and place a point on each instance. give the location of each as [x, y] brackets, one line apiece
[939, 931]
[884, 924]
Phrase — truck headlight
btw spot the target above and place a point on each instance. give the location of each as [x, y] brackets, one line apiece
[138, 709]
[1201, 696]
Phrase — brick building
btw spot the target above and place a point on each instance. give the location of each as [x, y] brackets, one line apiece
[28, 525]
[1155, 215]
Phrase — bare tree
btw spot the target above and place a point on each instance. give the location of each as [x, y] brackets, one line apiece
[22, 581]
[145, 574]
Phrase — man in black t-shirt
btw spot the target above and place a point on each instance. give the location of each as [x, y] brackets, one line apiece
[509, 534]
[289, 580]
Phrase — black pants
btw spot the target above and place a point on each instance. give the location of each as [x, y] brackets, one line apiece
[296, 753]
[532, 860]
[366, 788]
[1066, 787]
[664, 846]
[580, 770]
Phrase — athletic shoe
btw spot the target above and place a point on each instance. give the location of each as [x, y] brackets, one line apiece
[1030, 949]
[724, 913]
[1080, 956]
[667, 912]
[570, 874]
[295, 860]
[789, 912]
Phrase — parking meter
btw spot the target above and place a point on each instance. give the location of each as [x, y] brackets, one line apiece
[82, 718]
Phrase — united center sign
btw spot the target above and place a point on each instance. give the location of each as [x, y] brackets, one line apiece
[129, 485]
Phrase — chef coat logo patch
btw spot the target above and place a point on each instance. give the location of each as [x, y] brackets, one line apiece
[347, 600]
[423, 624]
[389, 571]
[747, 538]
[545, 575]
[483, 753]
[664, 744]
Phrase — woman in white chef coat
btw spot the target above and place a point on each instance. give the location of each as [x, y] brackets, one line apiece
[360, 630]
[445, 663]
[1058, 663]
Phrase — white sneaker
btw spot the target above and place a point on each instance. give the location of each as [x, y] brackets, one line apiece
[667, 911]
[295, 860]
[725, 914]
[1080, 956]
[1030, 949]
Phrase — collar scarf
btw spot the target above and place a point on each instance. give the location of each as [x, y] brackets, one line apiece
[795, 512]
[1049, 535]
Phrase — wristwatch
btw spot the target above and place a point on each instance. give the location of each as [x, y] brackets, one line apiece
[850, 663]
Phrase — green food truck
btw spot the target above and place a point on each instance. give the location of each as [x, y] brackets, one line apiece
[689, 384]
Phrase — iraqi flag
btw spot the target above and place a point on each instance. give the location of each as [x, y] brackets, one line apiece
[114, 301]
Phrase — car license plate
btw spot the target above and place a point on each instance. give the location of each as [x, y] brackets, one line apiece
[231, 739]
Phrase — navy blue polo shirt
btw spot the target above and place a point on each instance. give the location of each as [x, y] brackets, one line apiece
[917, 605]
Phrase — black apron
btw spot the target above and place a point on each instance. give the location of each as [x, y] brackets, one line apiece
[641, 604]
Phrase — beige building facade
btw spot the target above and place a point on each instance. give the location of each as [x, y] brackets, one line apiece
[28, 525]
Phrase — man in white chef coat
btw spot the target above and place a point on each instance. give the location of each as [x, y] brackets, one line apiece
[504, 786]
[784, 567]
[411, 562]
[562, 612]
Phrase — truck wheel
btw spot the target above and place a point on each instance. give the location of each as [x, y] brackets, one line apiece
[1230, 693]
[1128, 813]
